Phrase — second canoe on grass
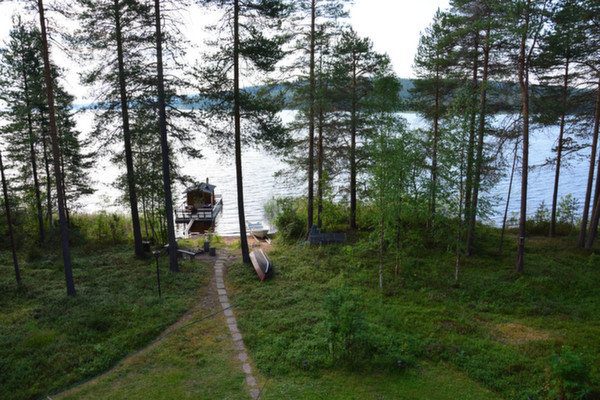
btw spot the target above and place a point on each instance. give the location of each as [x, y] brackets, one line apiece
[262, 265]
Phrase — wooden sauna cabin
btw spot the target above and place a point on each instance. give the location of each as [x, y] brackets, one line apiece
[200, 210]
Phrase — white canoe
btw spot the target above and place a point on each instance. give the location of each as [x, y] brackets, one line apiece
[257, 229]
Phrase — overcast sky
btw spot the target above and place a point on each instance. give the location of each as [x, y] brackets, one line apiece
[392, 25]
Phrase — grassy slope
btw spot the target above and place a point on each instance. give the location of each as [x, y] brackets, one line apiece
[498, 329]
[195, 361]
[49, 341]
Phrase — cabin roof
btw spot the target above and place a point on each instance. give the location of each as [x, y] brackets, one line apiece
[201, 187]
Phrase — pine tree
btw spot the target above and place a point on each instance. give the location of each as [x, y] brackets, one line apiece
[102, 36]
[9, 223]
[24, 88]
[21, 83]
[525, 20]
[592, 66]
[321, 17]
[164, 142]
[249, 36]
[562, 49]
[433, 64]
[355, 64]
[49, 88]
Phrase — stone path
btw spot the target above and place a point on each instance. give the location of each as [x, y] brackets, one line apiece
[234, 331]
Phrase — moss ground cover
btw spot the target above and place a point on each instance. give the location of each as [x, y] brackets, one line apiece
[493, 329]
[49, 341]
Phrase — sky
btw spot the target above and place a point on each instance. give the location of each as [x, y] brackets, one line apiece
[393, 26]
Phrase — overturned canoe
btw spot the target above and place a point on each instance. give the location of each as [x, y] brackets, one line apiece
[261, 264]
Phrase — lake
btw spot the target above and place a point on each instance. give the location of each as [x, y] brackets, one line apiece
[260, 184]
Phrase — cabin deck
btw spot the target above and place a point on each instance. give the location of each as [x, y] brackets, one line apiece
[203, 214]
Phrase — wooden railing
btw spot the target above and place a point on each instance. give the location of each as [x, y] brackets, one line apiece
[202, 213]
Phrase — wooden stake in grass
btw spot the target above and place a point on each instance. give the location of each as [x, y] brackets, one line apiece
[62, 218]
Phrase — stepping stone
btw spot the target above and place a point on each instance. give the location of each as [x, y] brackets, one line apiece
[233, 328]
[247, 369]
[224, 298]
[220, 285]
[236, 336]
[255, 394]
[231, 321]
[243, 356]
[222, 292]
[239, 345]
[225, 305]
[228, 313]
[250, 381]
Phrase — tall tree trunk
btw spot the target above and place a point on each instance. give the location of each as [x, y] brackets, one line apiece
[381, 239]
[62, 218]
[510, 186]
[33, 160]
[591, 237]
[311, 117]
[472, 129]
[353, 130]
[164, 143]
[47, 162]
[523, 72]
[559, 150]
[480, 142]
[381, 208]
[434, 150]
[590, 183]
[320, 175]
[11, 236]
[238, 133]
[131, 184]
[145, 214]
[320, 148]
[595, 220]
[64, 186]
[460, 225]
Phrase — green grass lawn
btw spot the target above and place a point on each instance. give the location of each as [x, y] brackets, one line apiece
[49, 341]
[493, 335]
[196, 360]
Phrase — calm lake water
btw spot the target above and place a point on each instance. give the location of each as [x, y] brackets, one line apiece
[260, 184]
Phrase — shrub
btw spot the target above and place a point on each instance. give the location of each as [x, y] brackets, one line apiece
[285, 213]
[354, 342]
[594, 261]
[570, 376]
[346, 327]
[567, 212]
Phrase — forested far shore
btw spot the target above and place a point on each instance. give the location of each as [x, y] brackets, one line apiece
[504, 97]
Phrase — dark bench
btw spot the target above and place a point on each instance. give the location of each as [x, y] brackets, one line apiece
[315, 236]
[187, 253]
[184, 253]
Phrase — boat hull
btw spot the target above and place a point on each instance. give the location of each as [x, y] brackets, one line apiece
[260, 233]
[261, 265]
